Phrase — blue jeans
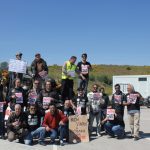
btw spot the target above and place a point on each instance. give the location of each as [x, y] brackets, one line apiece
[62, 130]
[39, 132]
[98, 120]
[83, 84]
[114, 130]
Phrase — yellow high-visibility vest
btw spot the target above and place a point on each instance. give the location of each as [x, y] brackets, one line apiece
[70, 68]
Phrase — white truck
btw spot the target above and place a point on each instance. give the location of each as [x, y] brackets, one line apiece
[141, 84]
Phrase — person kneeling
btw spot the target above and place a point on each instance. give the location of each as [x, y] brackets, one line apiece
[35, 131]
[17, 125]
[114, 124]
[55, 121]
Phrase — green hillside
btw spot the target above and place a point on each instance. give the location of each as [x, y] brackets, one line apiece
[102, 74]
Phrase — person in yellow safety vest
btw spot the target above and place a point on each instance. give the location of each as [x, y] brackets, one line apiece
[69, 70]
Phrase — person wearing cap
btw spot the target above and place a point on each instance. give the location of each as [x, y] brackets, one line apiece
[39, 68]
[18, 56]
[84, 67]
[15, 75]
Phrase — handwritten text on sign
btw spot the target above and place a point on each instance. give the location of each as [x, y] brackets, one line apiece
[78, 129]
[18, 66]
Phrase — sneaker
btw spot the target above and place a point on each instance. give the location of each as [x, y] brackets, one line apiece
[61, 143]
[42, 143]
[99, 135]
[52, 142]
[2, 137]
[136, 138]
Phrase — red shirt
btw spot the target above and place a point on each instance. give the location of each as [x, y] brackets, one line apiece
[52, 121]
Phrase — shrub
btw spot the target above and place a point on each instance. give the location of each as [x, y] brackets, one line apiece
[92, 78]
[104, 79]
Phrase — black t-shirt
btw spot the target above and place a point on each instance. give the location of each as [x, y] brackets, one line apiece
[135, 99]
[81, 102]
[68, 111]
[83, 68]
[33, 120]
[1, 93]
[118, 120]
[21, 97]
[118, 98]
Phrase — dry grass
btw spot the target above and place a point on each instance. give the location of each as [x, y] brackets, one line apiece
[107, 70]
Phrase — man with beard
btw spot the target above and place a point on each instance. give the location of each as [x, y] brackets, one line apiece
[54, 122]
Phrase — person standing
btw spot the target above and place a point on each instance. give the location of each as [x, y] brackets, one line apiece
[95, 100]
[39, 68]
[81, 102]
[15, 75]
[68, 74]
[117, 99]
[47, 95]
[34, 92]
[133, 100]
[84, 67]
[17, 95]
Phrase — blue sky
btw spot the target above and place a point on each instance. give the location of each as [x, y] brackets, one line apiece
[109, 31]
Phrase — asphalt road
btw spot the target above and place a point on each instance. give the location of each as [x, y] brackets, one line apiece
[104, 142]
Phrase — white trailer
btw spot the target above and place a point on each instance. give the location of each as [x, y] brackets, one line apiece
[141, 83]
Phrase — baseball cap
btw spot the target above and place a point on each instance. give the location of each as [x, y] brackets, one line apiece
[19, 54]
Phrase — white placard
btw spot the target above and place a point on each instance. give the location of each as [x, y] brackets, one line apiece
[132, 98]
[71, 73]
[19, 98]
[43, 74]
[110, 114]
[117, 98]
[47, 100]
[18, 66]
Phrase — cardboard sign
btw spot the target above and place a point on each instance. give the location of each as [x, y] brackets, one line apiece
[1, 106]
[110, 114]
[18, 66]
[132, 98]
[117, 98]
[84, 69]
[78, 129]
[19, 98]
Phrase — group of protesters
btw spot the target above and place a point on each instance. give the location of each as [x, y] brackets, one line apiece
[40, 107]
